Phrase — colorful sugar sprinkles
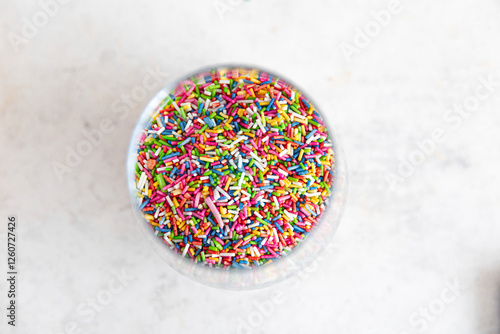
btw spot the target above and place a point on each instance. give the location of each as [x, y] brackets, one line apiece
[234, 169]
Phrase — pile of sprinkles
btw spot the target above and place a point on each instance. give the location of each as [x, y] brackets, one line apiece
[234, 169]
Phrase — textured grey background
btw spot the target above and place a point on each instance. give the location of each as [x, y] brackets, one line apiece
[398, 249]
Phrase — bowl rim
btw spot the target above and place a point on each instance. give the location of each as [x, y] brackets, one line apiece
[181, 265]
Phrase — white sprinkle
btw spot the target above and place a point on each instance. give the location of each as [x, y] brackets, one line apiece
[223, 192]
[176, 106]
[185, 250]
[227, 254]
[282, 172]
[142, 181]
[170, 201]
[256, 251]
[158, 151]
[262, 128]
[291, 216]
[165, 236]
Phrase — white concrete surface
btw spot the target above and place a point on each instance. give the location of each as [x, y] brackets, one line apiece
[421, 256]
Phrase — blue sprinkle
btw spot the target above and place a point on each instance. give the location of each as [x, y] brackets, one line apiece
[298, 229]
[278, 227]
[144, 203]
[172, 173]
[310, 134]
[270, 105]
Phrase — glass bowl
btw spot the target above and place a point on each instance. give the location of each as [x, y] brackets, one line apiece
[256, 277]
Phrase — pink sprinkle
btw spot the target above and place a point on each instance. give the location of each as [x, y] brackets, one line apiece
[197, 199]
[214, 210]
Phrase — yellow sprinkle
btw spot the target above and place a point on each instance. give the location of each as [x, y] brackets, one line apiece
[286, 116]
[300, 120]
[229, 179]
[249, 134]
